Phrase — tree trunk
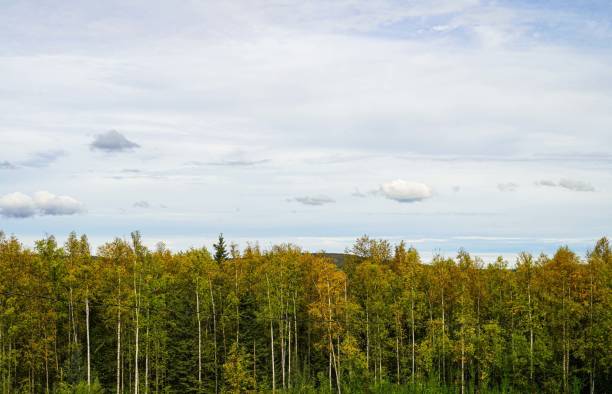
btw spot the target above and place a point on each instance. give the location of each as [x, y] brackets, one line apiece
[331, 342]
[281, 330]
[271, 336]
[367, 335]
[412, 329]
[462, 361]
[136, 348]
[199, 338]
[295, 333]
[212, 299]
[530, 335]
[443, 340]
[119, 351]
[88, 343]
[147, 355]
[288, 324]
[119, 341]
[237, 302]
[592, 367]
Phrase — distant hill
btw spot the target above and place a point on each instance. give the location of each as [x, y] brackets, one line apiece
[337, 257]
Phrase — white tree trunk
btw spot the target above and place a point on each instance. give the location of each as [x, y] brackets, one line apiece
[271, 336]
[119, 350]
[212, 299]
[199, 338]
[137, 329]
[88, 345]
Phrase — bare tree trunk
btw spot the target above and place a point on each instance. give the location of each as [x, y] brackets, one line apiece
[237, 302]
[119, 352]
[119, 341]
[569, 342]
[329, 370]
[199, 338]
[281, 330]
[530, 335]
[288, 324]
[564, 341]
[147, 355]
[271, 336]
[592, 369]
[462, 361]
[443, 336]
[212, 299]
[137, 329]
[331, 343]
[74, 329]
[368, 335]
[379, 348]
[88, 343]
[397, 360]
[295, 333]
[412, 329]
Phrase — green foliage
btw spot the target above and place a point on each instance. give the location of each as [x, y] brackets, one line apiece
[237, 371]
[221, 253]
[288, 320]
[80, 388]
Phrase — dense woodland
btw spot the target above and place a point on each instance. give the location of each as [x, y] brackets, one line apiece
[128, 319]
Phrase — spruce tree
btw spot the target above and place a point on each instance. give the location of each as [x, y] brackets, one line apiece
[221, 253]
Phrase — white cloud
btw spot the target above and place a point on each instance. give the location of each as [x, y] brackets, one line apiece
[358, 193]
[112, 141]
[7, 165]
[314, 200]
[19, 205]
[142, 204]
[569, 184]
[546, 182]
[576, 185]
[507, 187]
[43, 159]
[405, 191]
[50, 204]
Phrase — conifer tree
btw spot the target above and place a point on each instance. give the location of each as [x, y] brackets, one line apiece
[221, 253]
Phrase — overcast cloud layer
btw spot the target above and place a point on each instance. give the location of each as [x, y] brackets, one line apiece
[446, 123]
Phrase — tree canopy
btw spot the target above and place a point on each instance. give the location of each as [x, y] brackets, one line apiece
[131, 319]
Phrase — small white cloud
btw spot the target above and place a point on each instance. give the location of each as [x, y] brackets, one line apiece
[358, 193]
[50, 204]
[405, 191]
[112, 141]
[546, 182]
[19, 205]
[43, 159]
[507, 187]
[569, 184]
[576, 185]
[314, 200]
[142, 204]
[7, 165]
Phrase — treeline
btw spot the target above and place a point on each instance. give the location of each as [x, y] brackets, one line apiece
[127, 319]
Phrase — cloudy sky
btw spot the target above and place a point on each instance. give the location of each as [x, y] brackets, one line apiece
[447, 123]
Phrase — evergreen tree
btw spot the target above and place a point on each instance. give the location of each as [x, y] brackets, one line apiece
[221, 253]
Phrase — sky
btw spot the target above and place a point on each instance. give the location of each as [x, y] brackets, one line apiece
[485, 125]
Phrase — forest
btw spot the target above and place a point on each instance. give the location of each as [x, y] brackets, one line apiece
[130, 319]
